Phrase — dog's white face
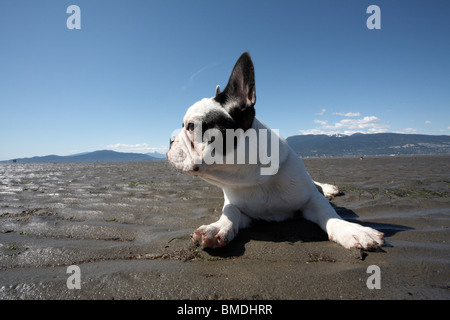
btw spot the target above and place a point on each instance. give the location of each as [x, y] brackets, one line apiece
[188, 148]
[210, 117]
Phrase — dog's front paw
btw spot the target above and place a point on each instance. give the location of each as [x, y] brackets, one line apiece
[210, 236]
[352, 235]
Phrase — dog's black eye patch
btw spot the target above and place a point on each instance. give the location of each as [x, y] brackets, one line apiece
[190, 127]
[219, 120]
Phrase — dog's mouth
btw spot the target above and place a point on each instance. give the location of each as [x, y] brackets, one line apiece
[183, 164]
[195, 171]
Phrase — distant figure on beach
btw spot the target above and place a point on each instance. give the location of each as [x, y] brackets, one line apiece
[361, 158]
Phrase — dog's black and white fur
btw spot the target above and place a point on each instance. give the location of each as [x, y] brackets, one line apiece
[249, 194]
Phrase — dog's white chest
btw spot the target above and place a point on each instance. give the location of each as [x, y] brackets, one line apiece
[266, 202]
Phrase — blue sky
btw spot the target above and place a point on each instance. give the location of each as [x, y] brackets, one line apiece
[125, 79]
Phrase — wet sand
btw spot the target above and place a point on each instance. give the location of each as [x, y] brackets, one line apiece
[127, 226]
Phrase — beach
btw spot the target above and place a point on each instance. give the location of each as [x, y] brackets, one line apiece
[127, 226]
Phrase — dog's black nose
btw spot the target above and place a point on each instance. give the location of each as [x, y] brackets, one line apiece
[171, 141]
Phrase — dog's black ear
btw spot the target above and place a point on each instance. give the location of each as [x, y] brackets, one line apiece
[239, 96]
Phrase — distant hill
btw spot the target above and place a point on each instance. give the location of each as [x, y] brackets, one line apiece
[304, 145]
[156, 155]
[369, 144]
[101, 155]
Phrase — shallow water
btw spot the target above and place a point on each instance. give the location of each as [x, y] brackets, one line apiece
[59, 214]
[117, 203]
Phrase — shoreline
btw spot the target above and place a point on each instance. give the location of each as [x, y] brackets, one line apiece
[127, 225]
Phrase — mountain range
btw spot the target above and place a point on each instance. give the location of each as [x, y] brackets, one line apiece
[304, 145]
[100, 155]
[360, 144]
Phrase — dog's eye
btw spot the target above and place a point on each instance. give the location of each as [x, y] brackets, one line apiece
[190, 127]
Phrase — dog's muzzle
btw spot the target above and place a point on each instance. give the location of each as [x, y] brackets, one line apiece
[182, 154]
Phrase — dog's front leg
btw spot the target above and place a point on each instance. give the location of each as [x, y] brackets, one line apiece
[219, 233]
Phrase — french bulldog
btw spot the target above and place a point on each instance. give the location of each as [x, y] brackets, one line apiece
[262, 178]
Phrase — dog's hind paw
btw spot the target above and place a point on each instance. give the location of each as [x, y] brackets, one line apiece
[352, 235]
[328, 190]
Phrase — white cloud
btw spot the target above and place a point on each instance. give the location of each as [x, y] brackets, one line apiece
[348, 114]
[369, 124]
[314, 131]
[428, 122]
[322, 112]
[322, 122]
[137, 148]
[408, 130]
